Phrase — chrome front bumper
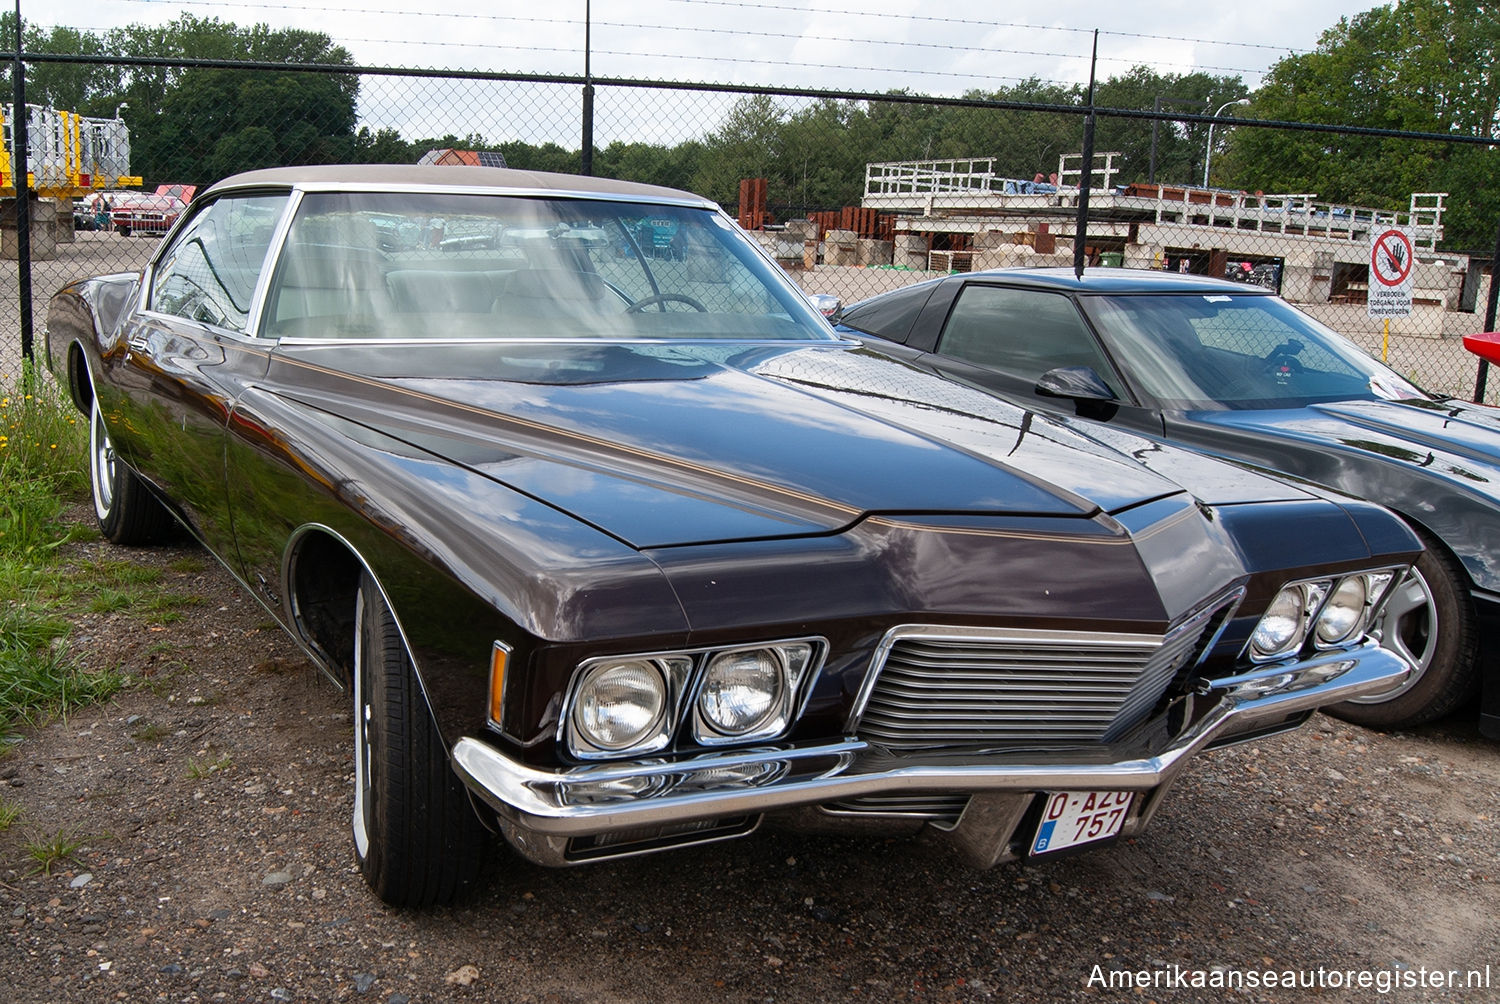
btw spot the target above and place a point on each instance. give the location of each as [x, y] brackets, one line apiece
[540, 811]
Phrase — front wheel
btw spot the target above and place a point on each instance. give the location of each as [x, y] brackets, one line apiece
[416, 837]
[127, 511]
[1429, 621]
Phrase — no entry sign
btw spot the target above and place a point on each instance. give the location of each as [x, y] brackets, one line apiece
[1392, 258]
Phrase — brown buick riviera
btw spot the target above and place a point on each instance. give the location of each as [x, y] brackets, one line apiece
[616, 546]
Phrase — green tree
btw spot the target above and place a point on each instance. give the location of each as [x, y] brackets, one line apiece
[1420, 65]
[1179, 146]
[747, 145]
[216, 122]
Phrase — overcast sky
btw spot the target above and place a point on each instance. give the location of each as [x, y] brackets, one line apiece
[942, 48]
[926, 47]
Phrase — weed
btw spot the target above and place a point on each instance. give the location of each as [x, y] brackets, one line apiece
[188, 565]
[43, 445]
[125, 573]
[197, 770]
[151, 732]
[37, 683]
[9, 813]
[48, 852]
[24, 628]
[111, 600]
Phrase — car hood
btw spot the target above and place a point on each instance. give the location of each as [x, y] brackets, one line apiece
[682, 443]
[1451, 439]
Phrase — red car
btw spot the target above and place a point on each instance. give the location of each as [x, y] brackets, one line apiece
[144, 213]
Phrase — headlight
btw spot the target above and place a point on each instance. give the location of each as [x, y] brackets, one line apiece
[1334, 611]
[1351, 607]
[750, 693]
[629, 705]
[1283, 628]
[620, 705]
[1344, 613]
[741, 690]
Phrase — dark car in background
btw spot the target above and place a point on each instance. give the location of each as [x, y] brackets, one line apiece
[630, 552]
[1232, 370]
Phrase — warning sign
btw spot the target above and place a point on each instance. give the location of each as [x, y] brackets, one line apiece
[1392, 257]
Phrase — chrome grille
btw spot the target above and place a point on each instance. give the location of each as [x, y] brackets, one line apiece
[943, 686]
[939, 806]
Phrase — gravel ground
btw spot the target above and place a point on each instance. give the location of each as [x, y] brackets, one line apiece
[212, 804]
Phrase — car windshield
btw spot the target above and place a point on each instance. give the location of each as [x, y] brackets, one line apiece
[1200, 352]
[445, 266]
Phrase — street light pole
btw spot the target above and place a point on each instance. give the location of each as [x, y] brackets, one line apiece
[1208, 152]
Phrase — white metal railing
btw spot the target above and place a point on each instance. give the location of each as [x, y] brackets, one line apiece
[917, 182]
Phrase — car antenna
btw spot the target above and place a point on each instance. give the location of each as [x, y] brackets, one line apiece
[1086, 175]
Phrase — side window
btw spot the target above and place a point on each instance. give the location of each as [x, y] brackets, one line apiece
[209, 273]
[889, 316]
[1020, 332]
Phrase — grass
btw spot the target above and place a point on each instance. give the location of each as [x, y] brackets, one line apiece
[37, 684]
[49, 852]
[197, 770]
[151, 733]
[9, 813]
[43, 452]
[43, 461]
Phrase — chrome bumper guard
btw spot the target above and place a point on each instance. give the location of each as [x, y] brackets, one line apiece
[540, 811]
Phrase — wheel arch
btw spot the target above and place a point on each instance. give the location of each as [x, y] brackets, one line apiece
[80, 377]
[321, 573]
[322, 570]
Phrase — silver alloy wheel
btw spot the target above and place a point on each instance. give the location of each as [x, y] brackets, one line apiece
[362, 750]
[1408, 626]
[101, 464]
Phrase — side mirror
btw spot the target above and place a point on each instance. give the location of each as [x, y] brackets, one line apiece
[825, 303]
[1078, 383]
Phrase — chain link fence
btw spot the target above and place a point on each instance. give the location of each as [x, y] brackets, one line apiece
[853, 194]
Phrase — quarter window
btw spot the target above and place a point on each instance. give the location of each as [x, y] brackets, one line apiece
[209, 273]
[1020, 332]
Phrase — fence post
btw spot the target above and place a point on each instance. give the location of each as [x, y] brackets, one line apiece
[586, 154]
[1489, 318]
[22, 185]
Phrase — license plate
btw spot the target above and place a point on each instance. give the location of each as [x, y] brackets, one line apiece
[1080, 817]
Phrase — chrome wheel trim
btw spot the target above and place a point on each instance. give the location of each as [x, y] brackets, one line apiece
[101, 464]
[1408, 626]
[362, 750]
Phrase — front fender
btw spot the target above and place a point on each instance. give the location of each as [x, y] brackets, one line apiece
[464, 561]
[87, 314]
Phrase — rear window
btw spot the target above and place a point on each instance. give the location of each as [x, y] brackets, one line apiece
[890, 316]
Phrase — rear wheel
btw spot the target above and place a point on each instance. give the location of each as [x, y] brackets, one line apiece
[1429, 621]
[416, 837]
[127, 511]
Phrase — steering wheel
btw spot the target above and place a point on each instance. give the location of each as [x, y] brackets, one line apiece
[1277, 361]
[647, 301]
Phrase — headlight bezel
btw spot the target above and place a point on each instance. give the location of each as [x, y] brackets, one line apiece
[683, 674]
[1316, 598]
[793, 658]
[671, 671]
